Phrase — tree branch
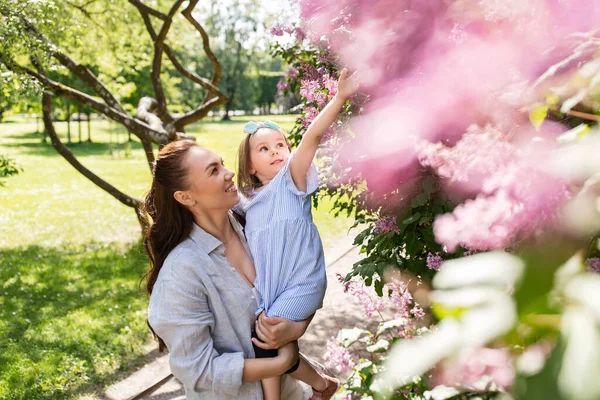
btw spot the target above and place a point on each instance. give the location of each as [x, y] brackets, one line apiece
[139, 128]
[81, 71]
[187, 13]
[205, 83]
[71, 159]
[200, 112]
[161, 109]
[142, 7]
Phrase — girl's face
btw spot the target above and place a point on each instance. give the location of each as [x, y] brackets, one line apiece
[268, 154]
[211, 184]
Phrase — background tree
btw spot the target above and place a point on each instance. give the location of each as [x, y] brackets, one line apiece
[60, 58]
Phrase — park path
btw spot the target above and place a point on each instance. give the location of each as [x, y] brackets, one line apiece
[155, 382]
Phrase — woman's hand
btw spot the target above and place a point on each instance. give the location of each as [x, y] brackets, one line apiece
[288, 355]
[276, 332]
[347, 85]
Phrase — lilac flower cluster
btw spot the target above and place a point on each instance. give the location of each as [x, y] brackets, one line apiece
[434, 261]
[338, 357]
[386, 224]
[593, 264]
[514, 200]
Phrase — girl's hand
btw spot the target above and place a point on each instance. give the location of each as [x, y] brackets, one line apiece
[288, 355]
[277, 331]
[347, 85]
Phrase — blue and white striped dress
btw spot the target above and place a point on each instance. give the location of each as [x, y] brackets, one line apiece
[286, 246]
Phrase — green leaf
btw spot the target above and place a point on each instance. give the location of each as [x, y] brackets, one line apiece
[412, 218]
[543, 385]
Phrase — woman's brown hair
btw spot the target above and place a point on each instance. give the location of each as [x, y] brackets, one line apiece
[166, 221]
[246, 182]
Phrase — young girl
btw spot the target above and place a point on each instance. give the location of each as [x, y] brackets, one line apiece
[284, 242]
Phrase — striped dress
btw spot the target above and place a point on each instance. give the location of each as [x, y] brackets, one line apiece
[286, 246]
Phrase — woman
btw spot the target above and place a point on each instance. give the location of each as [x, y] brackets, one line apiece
[202, 301]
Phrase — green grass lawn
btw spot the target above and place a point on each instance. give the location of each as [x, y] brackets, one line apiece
[71, 315]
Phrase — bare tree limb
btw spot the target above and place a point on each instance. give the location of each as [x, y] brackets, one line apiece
[149, 10]
[200, 112]
[71, 159]
[203, 82]
[187, 13]
[147, 145]
[212, 90]
[161, 109]
[139, 128]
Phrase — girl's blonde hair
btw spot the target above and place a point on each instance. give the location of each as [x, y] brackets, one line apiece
[246, 181]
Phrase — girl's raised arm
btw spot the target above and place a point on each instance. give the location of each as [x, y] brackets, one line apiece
[347, 86]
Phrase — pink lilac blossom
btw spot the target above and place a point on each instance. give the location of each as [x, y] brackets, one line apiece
[282, 85]
[515, 197]
[338, 357]
[593, 264]
[434, 261]
[386, 224]
[520, 201]
[406, 308]
[366, 296]
[277, 30]
[436, 67]
[310, 113]
[478, 154]
[476, 369]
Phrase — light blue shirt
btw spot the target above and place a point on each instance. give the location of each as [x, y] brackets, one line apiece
[286, 246]
[204, 311]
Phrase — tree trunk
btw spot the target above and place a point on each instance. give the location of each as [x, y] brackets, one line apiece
[68, 104]
[226, 117]
[71, 159]
[79, 122]
[89, 122]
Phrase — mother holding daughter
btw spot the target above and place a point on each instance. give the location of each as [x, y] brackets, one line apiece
[206, 290]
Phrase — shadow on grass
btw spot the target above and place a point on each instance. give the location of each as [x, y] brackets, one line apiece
[70, 319]
[85, 148]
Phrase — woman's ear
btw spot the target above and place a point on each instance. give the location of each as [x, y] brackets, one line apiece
[183, 197]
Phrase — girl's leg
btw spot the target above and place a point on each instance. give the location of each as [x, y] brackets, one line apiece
[307, 374]
[271, 388]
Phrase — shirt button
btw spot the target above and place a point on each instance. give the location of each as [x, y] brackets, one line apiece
[252, 297]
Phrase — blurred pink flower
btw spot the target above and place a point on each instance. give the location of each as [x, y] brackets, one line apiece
[593, 264]
[282, 85]
[515, 196]
[338, 357]
[277, 30]
[476, 369]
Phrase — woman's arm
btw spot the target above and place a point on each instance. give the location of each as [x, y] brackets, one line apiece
[305, 153]
[180, 315]
[276, 331]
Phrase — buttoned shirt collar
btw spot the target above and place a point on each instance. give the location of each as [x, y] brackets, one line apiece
[207, 242]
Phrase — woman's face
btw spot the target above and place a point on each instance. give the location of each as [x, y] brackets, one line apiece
[211, 184]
